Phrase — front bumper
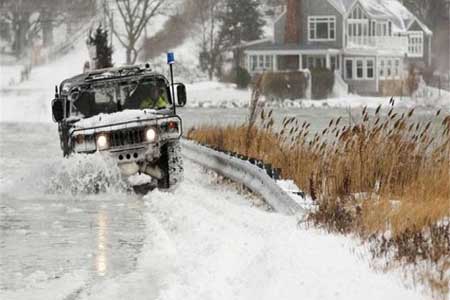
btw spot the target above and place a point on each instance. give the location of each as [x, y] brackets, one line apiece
[138, 160]
[148, 153]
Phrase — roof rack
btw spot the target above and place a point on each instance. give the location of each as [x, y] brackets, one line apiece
[118, 72]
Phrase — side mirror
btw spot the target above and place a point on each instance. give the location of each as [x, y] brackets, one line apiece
[57, 110]
[181, 95]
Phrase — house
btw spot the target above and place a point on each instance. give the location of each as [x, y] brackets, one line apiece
[366, 42]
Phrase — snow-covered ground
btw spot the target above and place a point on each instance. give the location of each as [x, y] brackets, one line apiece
[203, 240]
[223, 95]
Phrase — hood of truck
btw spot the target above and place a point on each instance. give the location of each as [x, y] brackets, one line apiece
[102, 120]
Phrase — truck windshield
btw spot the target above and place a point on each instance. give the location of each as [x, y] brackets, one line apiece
[109, 98]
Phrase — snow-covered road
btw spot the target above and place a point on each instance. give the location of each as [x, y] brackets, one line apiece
[205, 242]
[202, 241]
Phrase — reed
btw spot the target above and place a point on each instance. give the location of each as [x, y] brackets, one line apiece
[385, 178]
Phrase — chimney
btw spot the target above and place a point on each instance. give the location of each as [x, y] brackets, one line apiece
[293, 31]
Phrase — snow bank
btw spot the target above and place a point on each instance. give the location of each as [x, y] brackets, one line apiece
[205, 241]
[221, 95]
[215, 94]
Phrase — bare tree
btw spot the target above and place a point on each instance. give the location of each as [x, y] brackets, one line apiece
[135, 15]
[212, 40]
[24, 20]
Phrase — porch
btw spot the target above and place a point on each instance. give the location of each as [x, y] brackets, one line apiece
[282, 60]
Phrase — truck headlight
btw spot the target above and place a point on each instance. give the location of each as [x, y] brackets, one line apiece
[150, 135]
[102, 142]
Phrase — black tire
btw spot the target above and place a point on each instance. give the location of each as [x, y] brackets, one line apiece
[64, 139]
[171, 165]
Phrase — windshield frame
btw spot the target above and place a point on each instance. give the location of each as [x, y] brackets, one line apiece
[117, 84]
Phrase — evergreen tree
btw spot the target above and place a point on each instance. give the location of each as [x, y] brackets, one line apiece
[241, 21]
[103, 50]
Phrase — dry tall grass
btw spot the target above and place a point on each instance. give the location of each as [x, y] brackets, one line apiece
[386, 178]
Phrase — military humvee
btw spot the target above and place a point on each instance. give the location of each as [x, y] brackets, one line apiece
[103, 111]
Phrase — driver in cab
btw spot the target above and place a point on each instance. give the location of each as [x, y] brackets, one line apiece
[154, 100]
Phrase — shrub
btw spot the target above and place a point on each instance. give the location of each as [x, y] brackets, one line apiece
[243, 78]
[322, 83]
[393, 88]
[280, 86]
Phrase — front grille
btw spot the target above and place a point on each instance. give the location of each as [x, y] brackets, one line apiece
[127, 137]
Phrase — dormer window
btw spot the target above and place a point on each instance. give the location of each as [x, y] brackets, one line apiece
[322, 28]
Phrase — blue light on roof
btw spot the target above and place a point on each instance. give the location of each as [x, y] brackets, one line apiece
[170, 58]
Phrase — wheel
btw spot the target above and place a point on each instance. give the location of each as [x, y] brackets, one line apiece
[64, 138]
[171, 165]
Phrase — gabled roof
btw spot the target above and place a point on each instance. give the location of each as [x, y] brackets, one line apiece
[424, 27]
[341, 5]
[393, 10]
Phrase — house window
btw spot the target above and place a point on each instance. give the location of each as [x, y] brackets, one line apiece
[397, 68]
[310, 62]
[370, 69]
[260, 62]
[253, 62]
[358, 13]
[322, 28]
[415, 44]
[382, 29]
[320, 62]
[389, 68]
[333, 63]
[381, 69]
[268, 62]
[363, 68]
[349, 69]
[359, 69]
[316, 62]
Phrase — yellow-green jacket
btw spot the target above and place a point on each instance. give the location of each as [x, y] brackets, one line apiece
[150, 103]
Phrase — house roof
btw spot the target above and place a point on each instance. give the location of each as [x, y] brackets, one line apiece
[393, 10]
[402, 20]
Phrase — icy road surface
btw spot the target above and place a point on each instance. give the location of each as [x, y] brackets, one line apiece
[203, 241]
